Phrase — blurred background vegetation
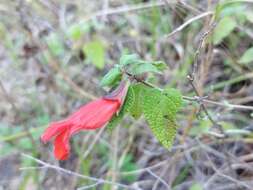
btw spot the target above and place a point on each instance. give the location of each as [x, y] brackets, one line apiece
[53, 53]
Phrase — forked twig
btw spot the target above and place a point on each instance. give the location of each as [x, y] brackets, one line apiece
[205, 109]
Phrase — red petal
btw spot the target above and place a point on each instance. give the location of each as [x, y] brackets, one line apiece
[61, 145]
[85, 109]
[103, 115]
[54, 129]
[94, 113]
[57, 127]
[96, 117]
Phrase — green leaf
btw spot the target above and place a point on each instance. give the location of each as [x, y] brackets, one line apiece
[223, 29]
[112, 77]
[128, 59]
[115, 121]
[138, 66]
[124, 109]
[136, 110]
[174, 99]
[171, 129]
[54, 44]
[160, 65]
[196, 186]
[233, 9]
[227, 8]
[128, 101]
[247, 57]
[154, 115]
[160, 112]
[144, 67]
[76, 30]
[95, 51]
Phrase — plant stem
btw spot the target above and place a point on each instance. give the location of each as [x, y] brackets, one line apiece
[195, 98]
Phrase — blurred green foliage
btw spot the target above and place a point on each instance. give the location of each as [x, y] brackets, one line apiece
[95, 52]
[92, 42]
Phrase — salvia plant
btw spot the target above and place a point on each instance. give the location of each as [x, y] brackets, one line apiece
[132, 95]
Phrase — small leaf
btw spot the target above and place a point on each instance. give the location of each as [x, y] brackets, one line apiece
[76, 31]
[95, 51]
[233, 9]
[138, 66]
[114, 121]
[175, 99]
[196, 186]
[136, 110]
[247, 57]
[144, 67]
[152, 98]
[163, 127]
[129, 100]
[224, 8]
[160, 65]
[128, 59]
[171, 130]
[54, 44]
[223, 29]
[124, 109]
[112, 77]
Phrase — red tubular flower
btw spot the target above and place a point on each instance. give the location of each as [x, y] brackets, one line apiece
[89, 117]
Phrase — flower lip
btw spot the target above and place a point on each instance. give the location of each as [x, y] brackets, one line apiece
[54, 129]
[61, 145]
[91, 116]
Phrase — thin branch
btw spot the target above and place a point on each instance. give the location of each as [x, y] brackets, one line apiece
[205, 109]
[221, 173]
[126, 8]
[158, 178]
[163, 173]
[59, 169]
[89, 186]
[231, 106]
[181, 27]
[189, 7]
[200, 46]
[89, 149]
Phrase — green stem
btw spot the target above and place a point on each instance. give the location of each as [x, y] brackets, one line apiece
[21, 134]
